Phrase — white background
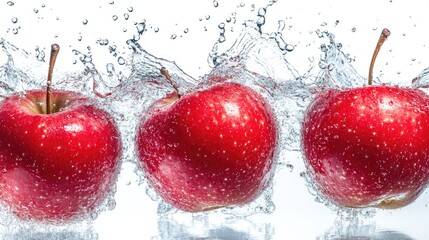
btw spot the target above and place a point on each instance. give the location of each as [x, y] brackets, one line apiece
[297, 215]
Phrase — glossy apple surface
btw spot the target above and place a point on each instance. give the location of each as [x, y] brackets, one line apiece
[209, 149]
[368, 146]
[60, 166]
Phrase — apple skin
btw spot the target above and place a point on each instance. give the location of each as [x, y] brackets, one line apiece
[209, 149]
[56, 167]
[368, 146]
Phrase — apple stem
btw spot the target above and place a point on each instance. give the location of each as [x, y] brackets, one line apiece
[384, 34]
[55, 48]
[167, 76]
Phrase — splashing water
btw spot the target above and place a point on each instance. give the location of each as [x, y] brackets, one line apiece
[131, 83]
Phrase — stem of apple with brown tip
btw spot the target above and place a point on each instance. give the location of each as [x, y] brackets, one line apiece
[384, 34]
[165, 73]
[55, 48]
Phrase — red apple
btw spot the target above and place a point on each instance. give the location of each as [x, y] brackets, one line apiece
[56, 166]
[368, 146]
[209, 149]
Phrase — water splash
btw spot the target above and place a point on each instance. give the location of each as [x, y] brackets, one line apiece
[336, 70]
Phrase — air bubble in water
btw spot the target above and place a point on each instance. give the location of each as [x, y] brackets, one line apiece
[186, 30]
[353, 29]
[35, 10]
[10, 3]
[14, 20]
[15, 30]
[130, 9]
[126, 16]
[115, 17]
[207, 17]
[215, 3]
[85, 21]
[156, 30]
[173, 36]
[112, 2]
[121, 61]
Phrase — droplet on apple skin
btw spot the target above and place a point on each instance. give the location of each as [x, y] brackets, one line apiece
[368, 147]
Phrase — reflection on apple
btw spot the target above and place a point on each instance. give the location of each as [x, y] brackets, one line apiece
[210, 148]
[368, 146]
[59, 154]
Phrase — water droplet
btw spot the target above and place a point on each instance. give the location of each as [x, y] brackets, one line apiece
[85, 21]
[215, 3]
[112, 2]
[262, 11]
[43, 5]
[10, 3]
[156, 30]
[323, 24]
[15, 31]
[130, 9]
[112, 50]
[261, 21]
[282, 25]
[141, 27]
[36, 10]
[242, 4]
[289, 47]
[114, 17]
[354, 29]
[186, 30]
[103, 42]
[121, 60]
[40, 55]
[228, 19]
[14, 20]
[79, 38]
[174, 36]
[110, 68]
[207, 17]
[126, 16]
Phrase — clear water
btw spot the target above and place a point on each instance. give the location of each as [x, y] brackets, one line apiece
[126, 81]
